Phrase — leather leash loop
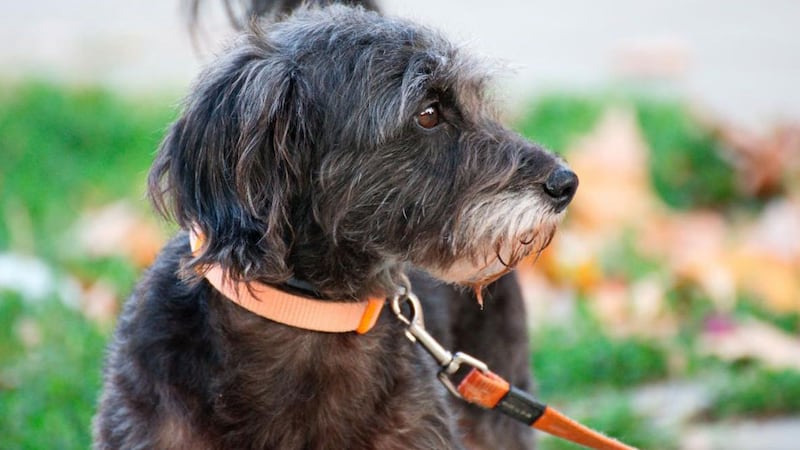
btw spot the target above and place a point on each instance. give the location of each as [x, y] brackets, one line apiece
[488, 390]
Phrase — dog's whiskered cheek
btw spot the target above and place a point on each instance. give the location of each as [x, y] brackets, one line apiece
[494, 235]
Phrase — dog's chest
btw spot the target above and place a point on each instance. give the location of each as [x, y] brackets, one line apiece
[285, 388]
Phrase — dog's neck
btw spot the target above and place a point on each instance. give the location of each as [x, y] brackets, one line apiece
[295, 285]
[342, 269]
[306, 311]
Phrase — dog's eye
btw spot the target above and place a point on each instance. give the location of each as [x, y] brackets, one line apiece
[429, 117]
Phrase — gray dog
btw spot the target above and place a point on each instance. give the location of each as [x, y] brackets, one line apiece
[326, 155]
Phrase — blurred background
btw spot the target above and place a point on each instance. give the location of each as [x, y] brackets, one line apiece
[667, 310]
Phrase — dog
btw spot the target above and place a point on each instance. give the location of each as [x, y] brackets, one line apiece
[335, 154]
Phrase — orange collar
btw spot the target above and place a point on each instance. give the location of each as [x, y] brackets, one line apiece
[293, 310]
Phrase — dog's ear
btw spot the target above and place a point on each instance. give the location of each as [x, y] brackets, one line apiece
[231, 164]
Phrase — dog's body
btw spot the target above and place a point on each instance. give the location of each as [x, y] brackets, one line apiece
[338, 147]
[189, 369]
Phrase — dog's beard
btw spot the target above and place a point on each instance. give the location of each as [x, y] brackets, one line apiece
[495, 236]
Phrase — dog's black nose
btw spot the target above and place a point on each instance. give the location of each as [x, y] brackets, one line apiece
[561, 186]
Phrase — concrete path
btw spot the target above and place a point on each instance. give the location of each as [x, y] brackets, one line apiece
[740, 57]
[773, 434]
[676, 405]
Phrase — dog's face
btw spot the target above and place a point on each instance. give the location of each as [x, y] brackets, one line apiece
[340, 145]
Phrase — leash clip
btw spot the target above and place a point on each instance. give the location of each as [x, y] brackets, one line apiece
[449, 363]
[484, 388]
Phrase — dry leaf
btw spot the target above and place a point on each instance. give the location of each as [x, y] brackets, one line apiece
[695, 248]
[609, 302]
[753, 340]
[570, 260]
[777, 231]
[100, 303]
[767, 258]
[611, 162]
[763, 161]
[119, 229]
[633, 309]
[774, 281]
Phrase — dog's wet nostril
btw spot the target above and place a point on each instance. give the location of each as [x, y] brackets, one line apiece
[561, 186]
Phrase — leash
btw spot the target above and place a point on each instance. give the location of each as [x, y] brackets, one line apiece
[488, 390]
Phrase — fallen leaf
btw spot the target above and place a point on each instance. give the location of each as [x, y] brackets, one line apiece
[766, 259]
[570, 260]
[100, 303]
[119, 229]
[611, 163]
[771, 280]
[546, 302]
[695, 248]
[764, 161]
[754, 340]
[637, 308]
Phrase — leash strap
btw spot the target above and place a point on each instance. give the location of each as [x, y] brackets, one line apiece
[488, 390]
[289, 309]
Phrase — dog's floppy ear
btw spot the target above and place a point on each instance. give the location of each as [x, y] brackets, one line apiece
[230, 165]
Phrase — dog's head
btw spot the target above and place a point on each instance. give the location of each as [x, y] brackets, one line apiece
[338, 145]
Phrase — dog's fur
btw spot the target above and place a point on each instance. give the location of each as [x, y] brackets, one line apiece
[300, 156]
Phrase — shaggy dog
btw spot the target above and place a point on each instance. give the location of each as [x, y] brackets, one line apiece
[335, 154]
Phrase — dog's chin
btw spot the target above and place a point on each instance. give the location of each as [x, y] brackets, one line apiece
[497, 261]
[466, 273]
[496, 236]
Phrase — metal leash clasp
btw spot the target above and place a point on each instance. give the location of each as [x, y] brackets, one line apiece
[449, 363]
[514, 403]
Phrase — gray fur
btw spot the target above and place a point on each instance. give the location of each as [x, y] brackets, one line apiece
[298, 155]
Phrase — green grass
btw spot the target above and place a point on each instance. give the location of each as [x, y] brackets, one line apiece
[756, 391]
[116, 271]
[49, 381]
[623, 261]
[556, 120]
[788, 321]
[65, 150]
[688, 167]
[580, 357]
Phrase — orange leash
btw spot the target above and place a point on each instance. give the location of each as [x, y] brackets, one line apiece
[490, 391]
[486, 389]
